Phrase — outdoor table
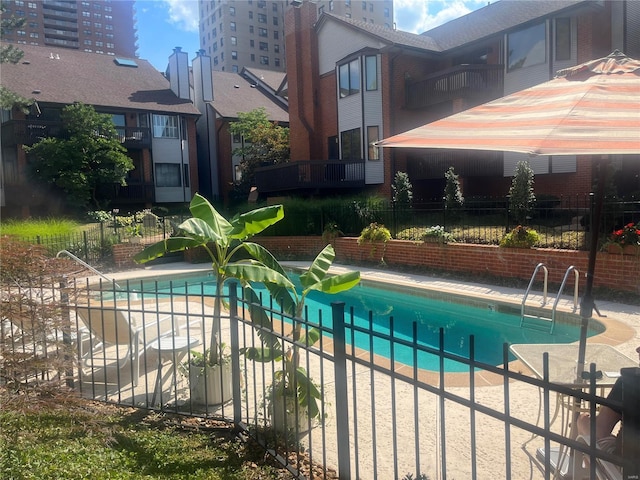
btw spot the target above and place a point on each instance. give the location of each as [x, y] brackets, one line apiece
[563, 363]
[169, 347]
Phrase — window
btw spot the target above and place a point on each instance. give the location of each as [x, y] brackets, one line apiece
[185, 172]
[232, 11]
[234, 40]
[276, 62]
[234, 68]
[264, 60]
[234, 55]
[215, 60]
[276, 35]
[386, 12]
[168, 175]
[250, 15]
[276, 48]
[251, 29]
[275, 20]
[253, 57]
[347, 3]
[526, 47]
[86, 23]
[264, 46]
[320, 10]
[371, 72]
[98, 25]
[349, 78]
[87, 42]
[222, 41]
[86, 14]
[252, 43]
[232, 26]
[235, 138]
[262, 18]
[274, 7]
[331, 5]
[165, 126]
[364, 6]
[563, 38]
[262, 32]
[371, 7]
[262, 4]
[372, 137]
[350, 140]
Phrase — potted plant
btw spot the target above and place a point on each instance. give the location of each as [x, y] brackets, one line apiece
[625, 240]
[222, 239]
[375, 233]
[208, 384]
[437, 234]
[292, 398]
[520, 237]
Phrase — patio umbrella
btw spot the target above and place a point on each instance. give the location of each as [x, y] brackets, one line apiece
[589, 109]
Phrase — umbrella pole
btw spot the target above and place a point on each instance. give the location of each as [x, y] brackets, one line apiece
[587, 303]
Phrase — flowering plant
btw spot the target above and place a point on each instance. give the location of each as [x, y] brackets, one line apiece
[627, 235]
[520, 237]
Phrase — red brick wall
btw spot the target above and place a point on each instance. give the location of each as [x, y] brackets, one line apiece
[287, 247]
[123, 254]
[618, 272]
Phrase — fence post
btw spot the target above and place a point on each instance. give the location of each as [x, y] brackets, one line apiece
[86, 246]
[102, 245]
[340, 372]
[66, 330]
[235, 350]
[631, 422]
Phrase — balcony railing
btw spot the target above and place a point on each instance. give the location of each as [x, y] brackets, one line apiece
[308, 174]
[28, 132]
[130, 194]
[482, 82]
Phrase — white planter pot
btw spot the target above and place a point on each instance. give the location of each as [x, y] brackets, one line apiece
[283, 415]
[214, 388]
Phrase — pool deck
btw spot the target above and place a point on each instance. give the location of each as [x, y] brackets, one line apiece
[622, 324]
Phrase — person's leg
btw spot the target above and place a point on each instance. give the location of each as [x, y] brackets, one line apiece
[606, 419]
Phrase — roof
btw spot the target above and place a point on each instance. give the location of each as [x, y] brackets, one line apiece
[496, 18]
[65, 76]
[232, 94]
[394, 37]
[270, 78]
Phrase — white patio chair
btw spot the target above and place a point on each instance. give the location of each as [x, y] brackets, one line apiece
[116, 339]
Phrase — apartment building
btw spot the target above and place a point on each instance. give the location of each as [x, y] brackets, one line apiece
[98, 26]
[351, 83]
[250, 33]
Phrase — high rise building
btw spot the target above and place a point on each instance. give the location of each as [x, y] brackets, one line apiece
[250, 33]
[100, 26]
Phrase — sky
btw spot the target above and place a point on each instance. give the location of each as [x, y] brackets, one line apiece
[165, 24]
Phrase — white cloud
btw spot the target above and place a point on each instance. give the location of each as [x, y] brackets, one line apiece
[418, 16]
[183, 14]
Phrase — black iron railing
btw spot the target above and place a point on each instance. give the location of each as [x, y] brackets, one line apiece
[310, 174]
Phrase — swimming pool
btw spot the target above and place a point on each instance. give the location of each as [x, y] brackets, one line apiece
[491, 324]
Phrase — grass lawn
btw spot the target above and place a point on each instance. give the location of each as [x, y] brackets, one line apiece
[68, 438]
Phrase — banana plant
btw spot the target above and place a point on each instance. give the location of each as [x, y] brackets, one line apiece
[294, 380]
[223, 239]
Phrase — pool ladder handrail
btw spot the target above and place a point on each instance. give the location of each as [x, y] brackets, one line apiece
[89, 267]
[544, 298]
[575, 293]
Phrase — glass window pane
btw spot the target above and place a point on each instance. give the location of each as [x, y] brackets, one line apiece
[371, 64]
[527, 47]
[354, 76]
[563, 39]
[168, 175]
[344, 80]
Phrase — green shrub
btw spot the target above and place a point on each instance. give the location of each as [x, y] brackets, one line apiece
[521, 196]
[520, 237]
[453, 198]
[374, 233]
[437, 233]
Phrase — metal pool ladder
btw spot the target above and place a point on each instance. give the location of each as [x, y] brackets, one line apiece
[87, 266]
[541, 321]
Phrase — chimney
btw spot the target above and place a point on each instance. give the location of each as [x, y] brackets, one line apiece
[202, 78]
[179, 73]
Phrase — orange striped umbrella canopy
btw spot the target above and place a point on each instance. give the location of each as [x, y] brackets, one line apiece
[590, 109]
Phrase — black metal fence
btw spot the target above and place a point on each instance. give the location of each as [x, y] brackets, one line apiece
[379, 417]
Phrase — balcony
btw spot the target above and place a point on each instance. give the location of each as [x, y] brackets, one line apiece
[28, 132]
[478, 83]
[49, 22]
[54, 32]
[310, 174]
[139, 193]
[47, 12]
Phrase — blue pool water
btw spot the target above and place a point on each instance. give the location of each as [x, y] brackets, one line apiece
[490, 327]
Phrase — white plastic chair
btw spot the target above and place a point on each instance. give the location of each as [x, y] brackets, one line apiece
[115, 339]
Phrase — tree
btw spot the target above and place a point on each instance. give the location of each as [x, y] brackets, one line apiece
[453, 199]
[89, 154]
[521, 196]
[11, 54]
[402, 190]
[264, 142]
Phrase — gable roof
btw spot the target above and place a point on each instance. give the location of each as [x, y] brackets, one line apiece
[65, 76]
[497, 17]
[232, 93]
[270, 78]
[388, 35]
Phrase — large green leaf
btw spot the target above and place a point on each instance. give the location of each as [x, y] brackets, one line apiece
[255, 272]
[262, 354]
[311, 337]
[260, 318]
[318, 269]
[264, 256]
[337, 283]
[172, 244]
[202, 209]
[283, 296]
[200, 230]
[255, 221]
